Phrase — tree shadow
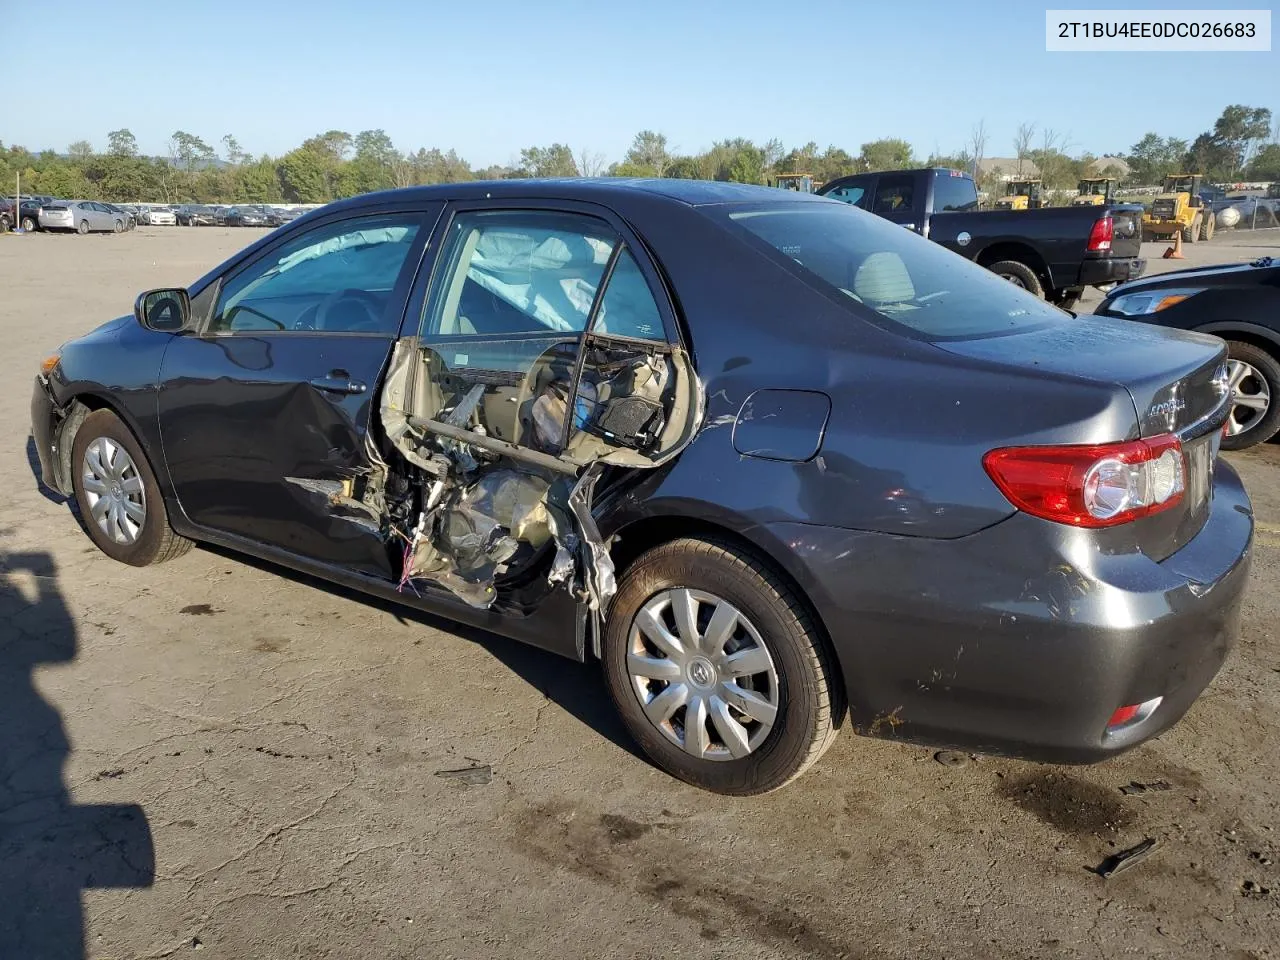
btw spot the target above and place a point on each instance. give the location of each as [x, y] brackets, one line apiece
[51, 849]
[577, 687]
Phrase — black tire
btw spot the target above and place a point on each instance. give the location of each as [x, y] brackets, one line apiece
[83, 228]
[1207, 224]
[28, 224]
[1019, 274]
[1191, 232]
[118, 227]
[810, 701]
[1262, 428]
[156, 542]
[4, 224]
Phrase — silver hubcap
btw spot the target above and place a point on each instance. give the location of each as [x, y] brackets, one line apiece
[1252, 397]
[113, 487]
[702, 674]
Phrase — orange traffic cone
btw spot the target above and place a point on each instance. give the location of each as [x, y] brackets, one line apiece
[1175, 252]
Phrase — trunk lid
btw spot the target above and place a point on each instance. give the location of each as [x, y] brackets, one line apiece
[1126, 240]
[1176, 381]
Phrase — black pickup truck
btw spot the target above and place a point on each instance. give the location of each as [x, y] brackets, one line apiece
[1054, 252]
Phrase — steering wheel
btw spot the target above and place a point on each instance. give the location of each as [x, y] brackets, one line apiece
[335, 312]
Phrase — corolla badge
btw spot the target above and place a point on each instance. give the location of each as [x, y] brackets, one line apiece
[1168, 410]
[963, 238]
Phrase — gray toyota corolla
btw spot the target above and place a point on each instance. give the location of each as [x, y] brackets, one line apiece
[777, 464]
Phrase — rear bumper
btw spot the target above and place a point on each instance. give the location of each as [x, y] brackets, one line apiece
[1095, 273]
[1023, 639]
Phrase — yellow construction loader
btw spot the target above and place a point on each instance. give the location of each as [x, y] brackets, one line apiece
[1021, 195]
[1094, 192]
[1179, 208]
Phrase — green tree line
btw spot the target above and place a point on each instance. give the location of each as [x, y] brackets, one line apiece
[335, 164]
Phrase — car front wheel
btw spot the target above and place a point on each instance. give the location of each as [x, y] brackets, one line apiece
[718, 670]
[1254, 376]
[119, 499]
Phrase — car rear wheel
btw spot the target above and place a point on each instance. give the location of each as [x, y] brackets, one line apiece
[1019, 274]
[718, 670]
[1254, 375]
[83, 228]
[119, 499]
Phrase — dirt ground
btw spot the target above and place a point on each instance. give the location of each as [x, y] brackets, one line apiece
[280, 745]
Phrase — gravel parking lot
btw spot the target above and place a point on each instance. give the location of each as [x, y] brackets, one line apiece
[282, 743]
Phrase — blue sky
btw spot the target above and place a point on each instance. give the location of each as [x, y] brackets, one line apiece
[491, 77]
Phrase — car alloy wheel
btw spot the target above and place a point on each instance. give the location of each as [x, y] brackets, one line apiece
[113, 488]
[1252, 397]
[703, 674]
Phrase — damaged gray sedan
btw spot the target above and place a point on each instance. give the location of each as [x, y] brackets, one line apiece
[752, 451]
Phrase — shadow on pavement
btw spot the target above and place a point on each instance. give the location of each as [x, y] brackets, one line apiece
[576, 687]
[51, 849]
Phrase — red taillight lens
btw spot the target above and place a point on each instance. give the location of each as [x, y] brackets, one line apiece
[1094, 485]
[1132, 714]
[1101, 235]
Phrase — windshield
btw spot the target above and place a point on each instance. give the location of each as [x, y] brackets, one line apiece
[903, 278]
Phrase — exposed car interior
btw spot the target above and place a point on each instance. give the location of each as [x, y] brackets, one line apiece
[542, 357]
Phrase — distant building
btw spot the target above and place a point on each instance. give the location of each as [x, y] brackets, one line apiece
[1007, 168]
[1115, 167]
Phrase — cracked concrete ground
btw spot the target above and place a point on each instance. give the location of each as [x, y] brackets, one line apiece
[218, 755]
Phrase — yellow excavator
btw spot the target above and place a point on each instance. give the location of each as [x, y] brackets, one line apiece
[1021, 195]
[1179, 208]
[799, 182]
[1094, 192]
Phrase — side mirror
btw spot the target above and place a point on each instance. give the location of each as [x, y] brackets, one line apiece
[166, 311]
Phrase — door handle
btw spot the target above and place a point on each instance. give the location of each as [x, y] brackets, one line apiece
[338, 382]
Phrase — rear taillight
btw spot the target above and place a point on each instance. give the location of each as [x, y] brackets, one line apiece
[1132, 714]
[1101, 235]
[1094, 485]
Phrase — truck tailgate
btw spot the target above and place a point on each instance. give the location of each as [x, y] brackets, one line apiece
[1126, 237]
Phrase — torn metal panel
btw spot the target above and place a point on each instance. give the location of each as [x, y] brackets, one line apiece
[479, 531]
[339, 495]
[494, 427]
[598, 572]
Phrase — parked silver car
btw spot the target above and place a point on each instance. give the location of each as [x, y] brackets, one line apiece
[83, 216]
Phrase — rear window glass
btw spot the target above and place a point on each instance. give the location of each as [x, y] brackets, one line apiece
[951, 191]
[905, 280]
